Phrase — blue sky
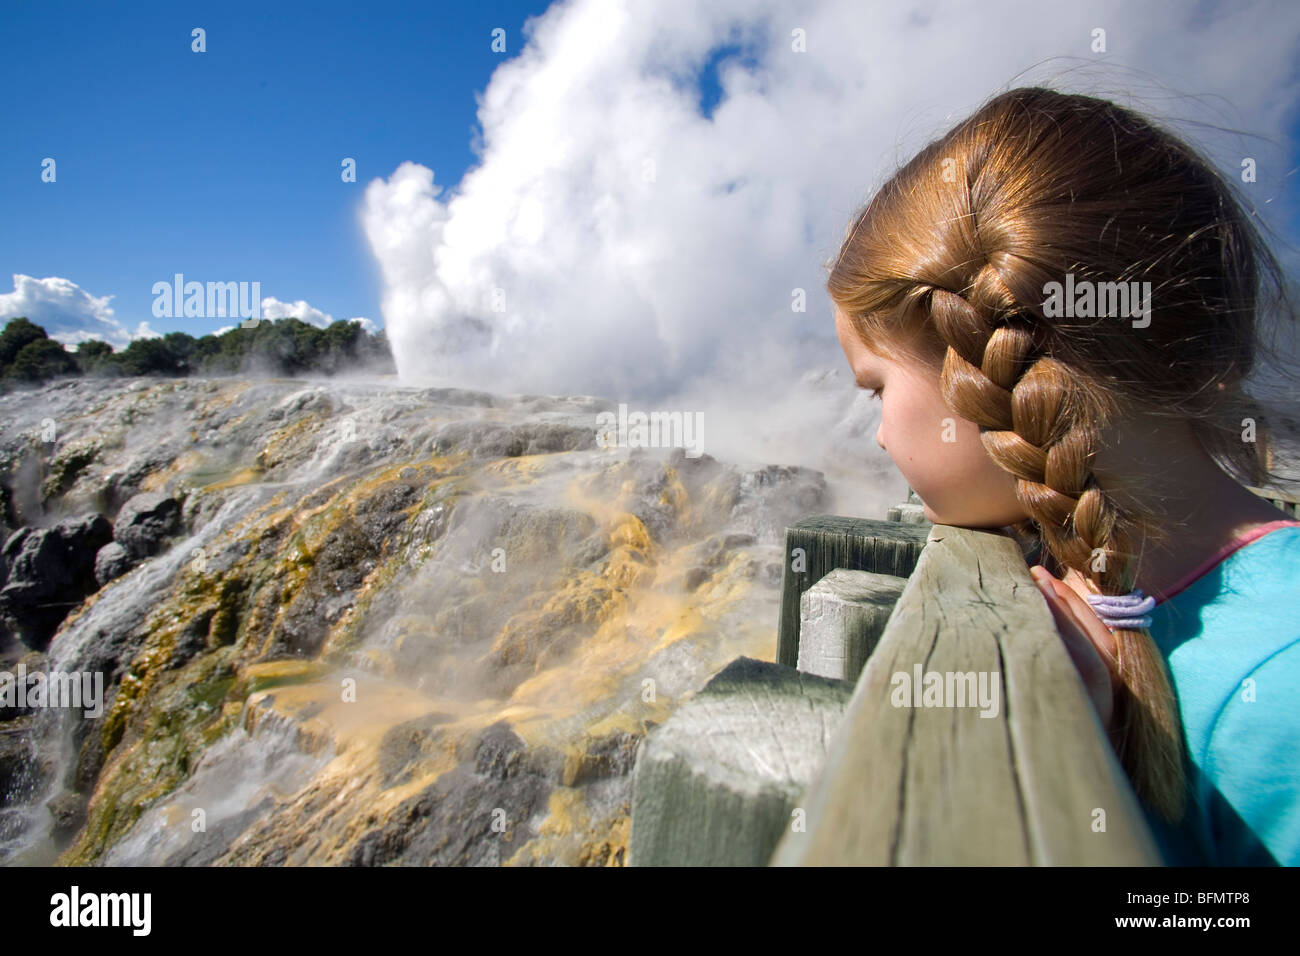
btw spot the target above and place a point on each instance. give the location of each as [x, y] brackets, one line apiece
[624, 201]
[224, 165]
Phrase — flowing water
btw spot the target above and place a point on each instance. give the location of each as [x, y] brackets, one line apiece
[398, 625]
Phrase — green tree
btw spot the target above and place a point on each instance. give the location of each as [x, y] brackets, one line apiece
[17, 334]
[284, 346]
[182, 347]
[41, 360]
[151, 357]
[93, 356]
[205, 357]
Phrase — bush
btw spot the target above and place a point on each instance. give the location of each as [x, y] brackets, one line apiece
[16, 335]
[284, 347]
[93, 355]
[42, 360]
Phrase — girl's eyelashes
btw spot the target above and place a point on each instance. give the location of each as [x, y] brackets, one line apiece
[873, 392]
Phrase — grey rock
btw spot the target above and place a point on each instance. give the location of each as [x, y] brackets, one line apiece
[5, 532]
[193, 638]
[613, 755]
[32, 662]
[404, 745]
[500, 440]
[51, 570]
[145, 521]
[15, 754]
[451, 822]
[69, 812]
[24, 769]
[111, 561]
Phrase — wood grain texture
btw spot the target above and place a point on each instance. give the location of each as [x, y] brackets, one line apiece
[819, 544]
[943, 785]
[715, 785]
[842, 617]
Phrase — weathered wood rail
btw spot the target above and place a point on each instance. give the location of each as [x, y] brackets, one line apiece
[922, 710]
[1021, 774]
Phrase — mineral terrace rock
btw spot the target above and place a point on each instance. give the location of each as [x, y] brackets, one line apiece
[471, 552]
[451, 822]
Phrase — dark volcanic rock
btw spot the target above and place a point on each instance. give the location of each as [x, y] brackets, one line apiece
[404, 744]
[111, 561]
[15, 755]
[205, 848]
[51, 570]
[69, 812]
[472, 816]
[354, 548]
[24, 770]
[144, 521]
[32, 664]
[193, 638]
[502, 440]
[340, 566]
[383, 513]
[610, 756]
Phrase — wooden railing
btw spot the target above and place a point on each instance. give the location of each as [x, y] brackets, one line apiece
[833, 755]
[994, 756]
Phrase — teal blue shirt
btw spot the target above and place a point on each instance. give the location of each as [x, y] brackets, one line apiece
[1231, 638]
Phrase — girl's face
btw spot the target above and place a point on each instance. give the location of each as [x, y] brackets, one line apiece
[939, 453]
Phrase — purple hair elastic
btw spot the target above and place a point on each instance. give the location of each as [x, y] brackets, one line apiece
[1123, 610]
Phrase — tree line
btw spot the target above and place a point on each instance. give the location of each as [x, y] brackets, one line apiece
[283, 347]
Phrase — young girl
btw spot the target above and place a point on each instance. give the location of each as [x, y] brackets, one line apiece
[1056, 304]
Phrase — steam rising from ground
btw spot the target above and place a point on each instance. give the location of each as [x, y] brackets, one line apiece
[616, 240]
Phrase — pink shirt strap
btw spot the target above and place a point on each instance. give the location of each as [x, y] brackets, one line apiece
[1254, 533]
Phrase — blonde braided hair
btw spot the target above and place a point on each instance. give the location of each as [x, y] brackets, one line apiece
[1034, 426]
[948, 264]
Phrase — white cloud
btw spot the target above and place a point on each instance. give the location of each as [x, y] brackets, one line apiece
[68, 313]
[273, 308]
[636, 248]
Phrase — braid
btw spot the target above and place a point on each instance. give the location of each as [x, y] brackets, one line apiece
[1037, 426]
[952, 258]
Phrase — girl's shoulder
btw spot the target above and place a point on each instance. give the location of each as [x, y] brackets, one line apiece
[1232, 642]
[1241, 613]
[1250, 762]
[1282, 535]
[1255, 579]
[1252, 564]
